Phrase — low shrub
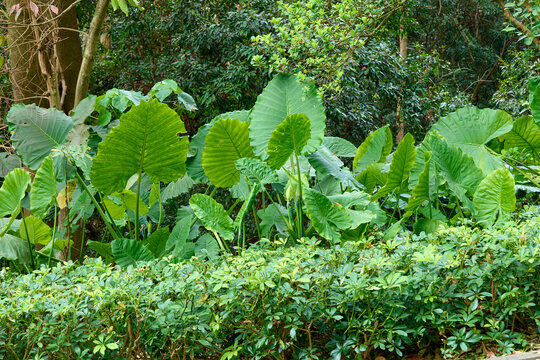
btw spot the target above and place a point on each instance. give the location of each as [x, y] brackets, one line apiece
[454, 290]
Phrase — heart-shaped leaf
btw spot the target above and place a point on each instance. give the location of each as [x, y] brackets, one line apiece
[289, 137]
[494, 196]
[128, 252]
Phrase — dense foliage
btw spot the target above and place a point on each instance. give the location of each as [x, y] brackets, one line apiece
[456, 289]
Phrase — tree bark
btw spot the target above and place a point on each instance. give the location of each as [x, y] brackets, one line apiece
[25, 74]
[403, 43]
[90, 50]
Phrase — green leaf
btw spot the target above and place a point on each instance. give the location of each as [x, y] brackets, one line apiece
[79, 133]
[157, 241]
[327, 218]
[129, 200]
[177, 188]
[286, 95]
[494, 196]
[8, 162]
[12, 191]
[270, 217]
[145, 141]
[470, 129]
[456, 167]
[37, 131]
[339, 147]
[128, 252]
[115, 210]
[534, 98]
[257, 171]
[525, 135]
[179, 234]
[290, 136]
[14, 249]
[194, 164]
[327, 163]
[35, 230]
[207, 246]
[43, 190]
[226, 142]
[102, 249]
[212, 215]
[421, 191]
[376, 147]
[401, 165]
[372, 176]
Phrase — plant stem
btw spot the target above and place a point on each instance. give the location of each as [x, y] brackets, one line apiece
[113, 233]
[53, 236]
[82, 240]
[299, 215]
[137, 207]
[32, 262]
[160, 208]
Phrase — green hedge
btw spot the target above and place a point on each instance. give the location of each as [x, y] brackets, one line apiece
[453, 290]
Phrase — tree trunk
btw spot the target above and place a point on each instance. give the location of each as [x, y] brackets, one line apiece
[403, 43]
[25, 74]
[69, 52]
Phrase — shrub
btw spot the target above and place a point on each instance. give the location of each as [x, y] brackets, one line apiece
[453, 289]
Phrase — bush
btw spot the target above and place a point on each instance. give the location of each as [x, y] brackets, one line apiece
[451, 290]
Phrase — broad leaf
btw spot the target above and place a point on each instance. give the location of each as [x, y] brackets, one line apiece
[12, 191]
[226, 142]
[456, 167]
[327, 218]
[157, 241]
[327, 163]
[421, 191]
[534, 98]
[8, 162]
[196, 146]
[179, 234]
[257, 171]
[102, 249]
[339, 147]
[212, 215]
[128, 252]
[14, 249]
[494, 196]
[374, 149]
[145, 141]
[79, 133]
[289, 137]
[270, 217]
[471, 129]
[43, 190]
[401, 165]
[35, 230]
[525, 135]
[372, 176]
[176, 188]
[37, 131]
[206, 246]
[286, 95]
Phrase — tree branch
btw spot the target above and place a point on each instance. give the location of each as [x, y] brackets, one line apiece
[517, 23]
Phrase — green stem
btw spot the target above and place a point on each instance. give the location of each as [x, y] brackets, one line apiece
[8, 225]
[233, 206]
[160, 207]
[287, 222]
[32, 262]
[113, 233]
[299, 215]
[82, 240]
[53, 236]
[137, 207]
[256, 222]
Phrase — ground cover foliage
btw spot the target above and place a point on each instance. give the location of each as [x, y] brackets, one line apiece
[456, 290]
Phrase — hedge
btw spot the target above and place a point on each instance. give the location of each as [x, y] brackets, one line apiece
[452, 291]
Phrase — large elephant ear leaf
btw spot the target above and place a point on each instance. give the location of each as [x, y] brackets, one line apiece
[525, 135]
[400, 167]
[494, 196]
[128, 252]
[326, 163]
[226, 142]
[37, 131]
[15, 249]
[471, 128]
[145, 141]
[257, 171]
[376, 147]
[456, 167]
[12, 191]
[43, 190]
[422, 190]
[534, 98]
[196, 146]
[289, 137]
[327, 218]
[286, 95]
[212, 215]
